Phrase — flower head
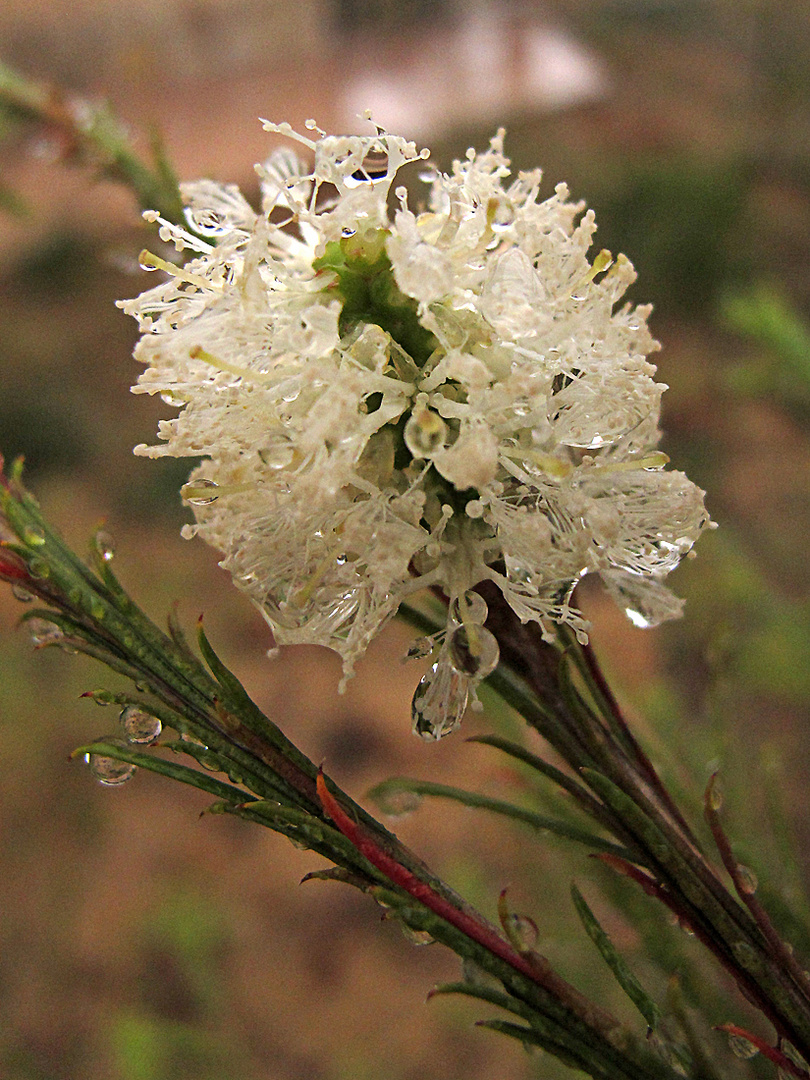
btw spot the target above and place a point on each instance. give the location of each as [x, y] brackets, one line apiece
[390, 402]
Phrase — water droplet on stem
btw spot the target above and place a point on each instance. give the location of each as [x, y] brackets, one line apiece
[108, 770]
[105, 545]
[747, 881]
[44, 633]
[140, 726]
[398, 802]
[741, 1047]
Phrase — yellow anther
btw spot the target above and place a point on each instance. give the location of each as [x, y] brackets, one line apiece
[153, 262]
[199, 353]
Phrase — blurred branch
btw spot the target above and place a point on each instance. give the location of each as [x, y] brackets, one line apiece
[89, 134]
[765, 315]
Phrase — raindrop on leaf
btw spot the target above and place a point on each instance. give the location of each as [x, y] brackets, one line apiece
[140, 726]
[108, 770]
[741, 1047]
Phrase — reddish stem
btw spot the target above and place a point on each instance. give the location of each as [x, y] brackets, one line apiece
[780, 951]
[12, 567]
[532, 966]
[765, 1048]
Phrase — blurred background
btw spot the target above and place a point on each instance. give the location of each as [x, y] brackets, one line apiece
[139, 942]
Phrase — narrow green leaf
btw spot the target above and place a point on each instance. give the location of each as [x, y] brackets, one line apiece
[531, 1037]
[238, 701]
[316, 835]
[515, 750]
[177, 634]
[485, 993]
[624, 976]
[226, 679]
[171, 769]
[399, 785]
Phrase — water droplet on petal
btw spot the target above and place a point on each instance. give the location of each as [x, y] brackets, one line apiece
[108, 770]
[440, 701]
[473, 651]
[468, 607]
[742, 1047]
[420, 648]
[199, 492]
[139, 725]
[637, 619]
[22, 594]
[425, 433]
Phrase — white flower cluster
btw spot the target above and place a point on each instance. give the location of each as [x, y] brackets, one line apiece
[438, 400]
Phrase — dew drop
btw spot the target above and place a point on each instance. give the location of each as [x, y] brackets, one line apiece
[198, 492]
[105, 545]
[398, 802]
[108, 770]
[33, 537]
[416, 937]
[140, 726]
[44, 633]
[522, 931]
[469, 607]
[420, 648]
[747, 881]
[473, 651]
[792, 1054]
[637, 619]
[439, 701]
[425, 433]
[22, 594]
[716, 796]
[39, 568]
[476, 976]
[741, 1047]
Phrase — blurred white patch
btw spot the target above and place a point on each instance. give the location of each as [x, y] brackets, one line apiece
[481, 69]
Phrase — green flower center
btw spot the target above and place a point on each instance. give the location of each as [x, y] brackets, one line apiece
[365, 282]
